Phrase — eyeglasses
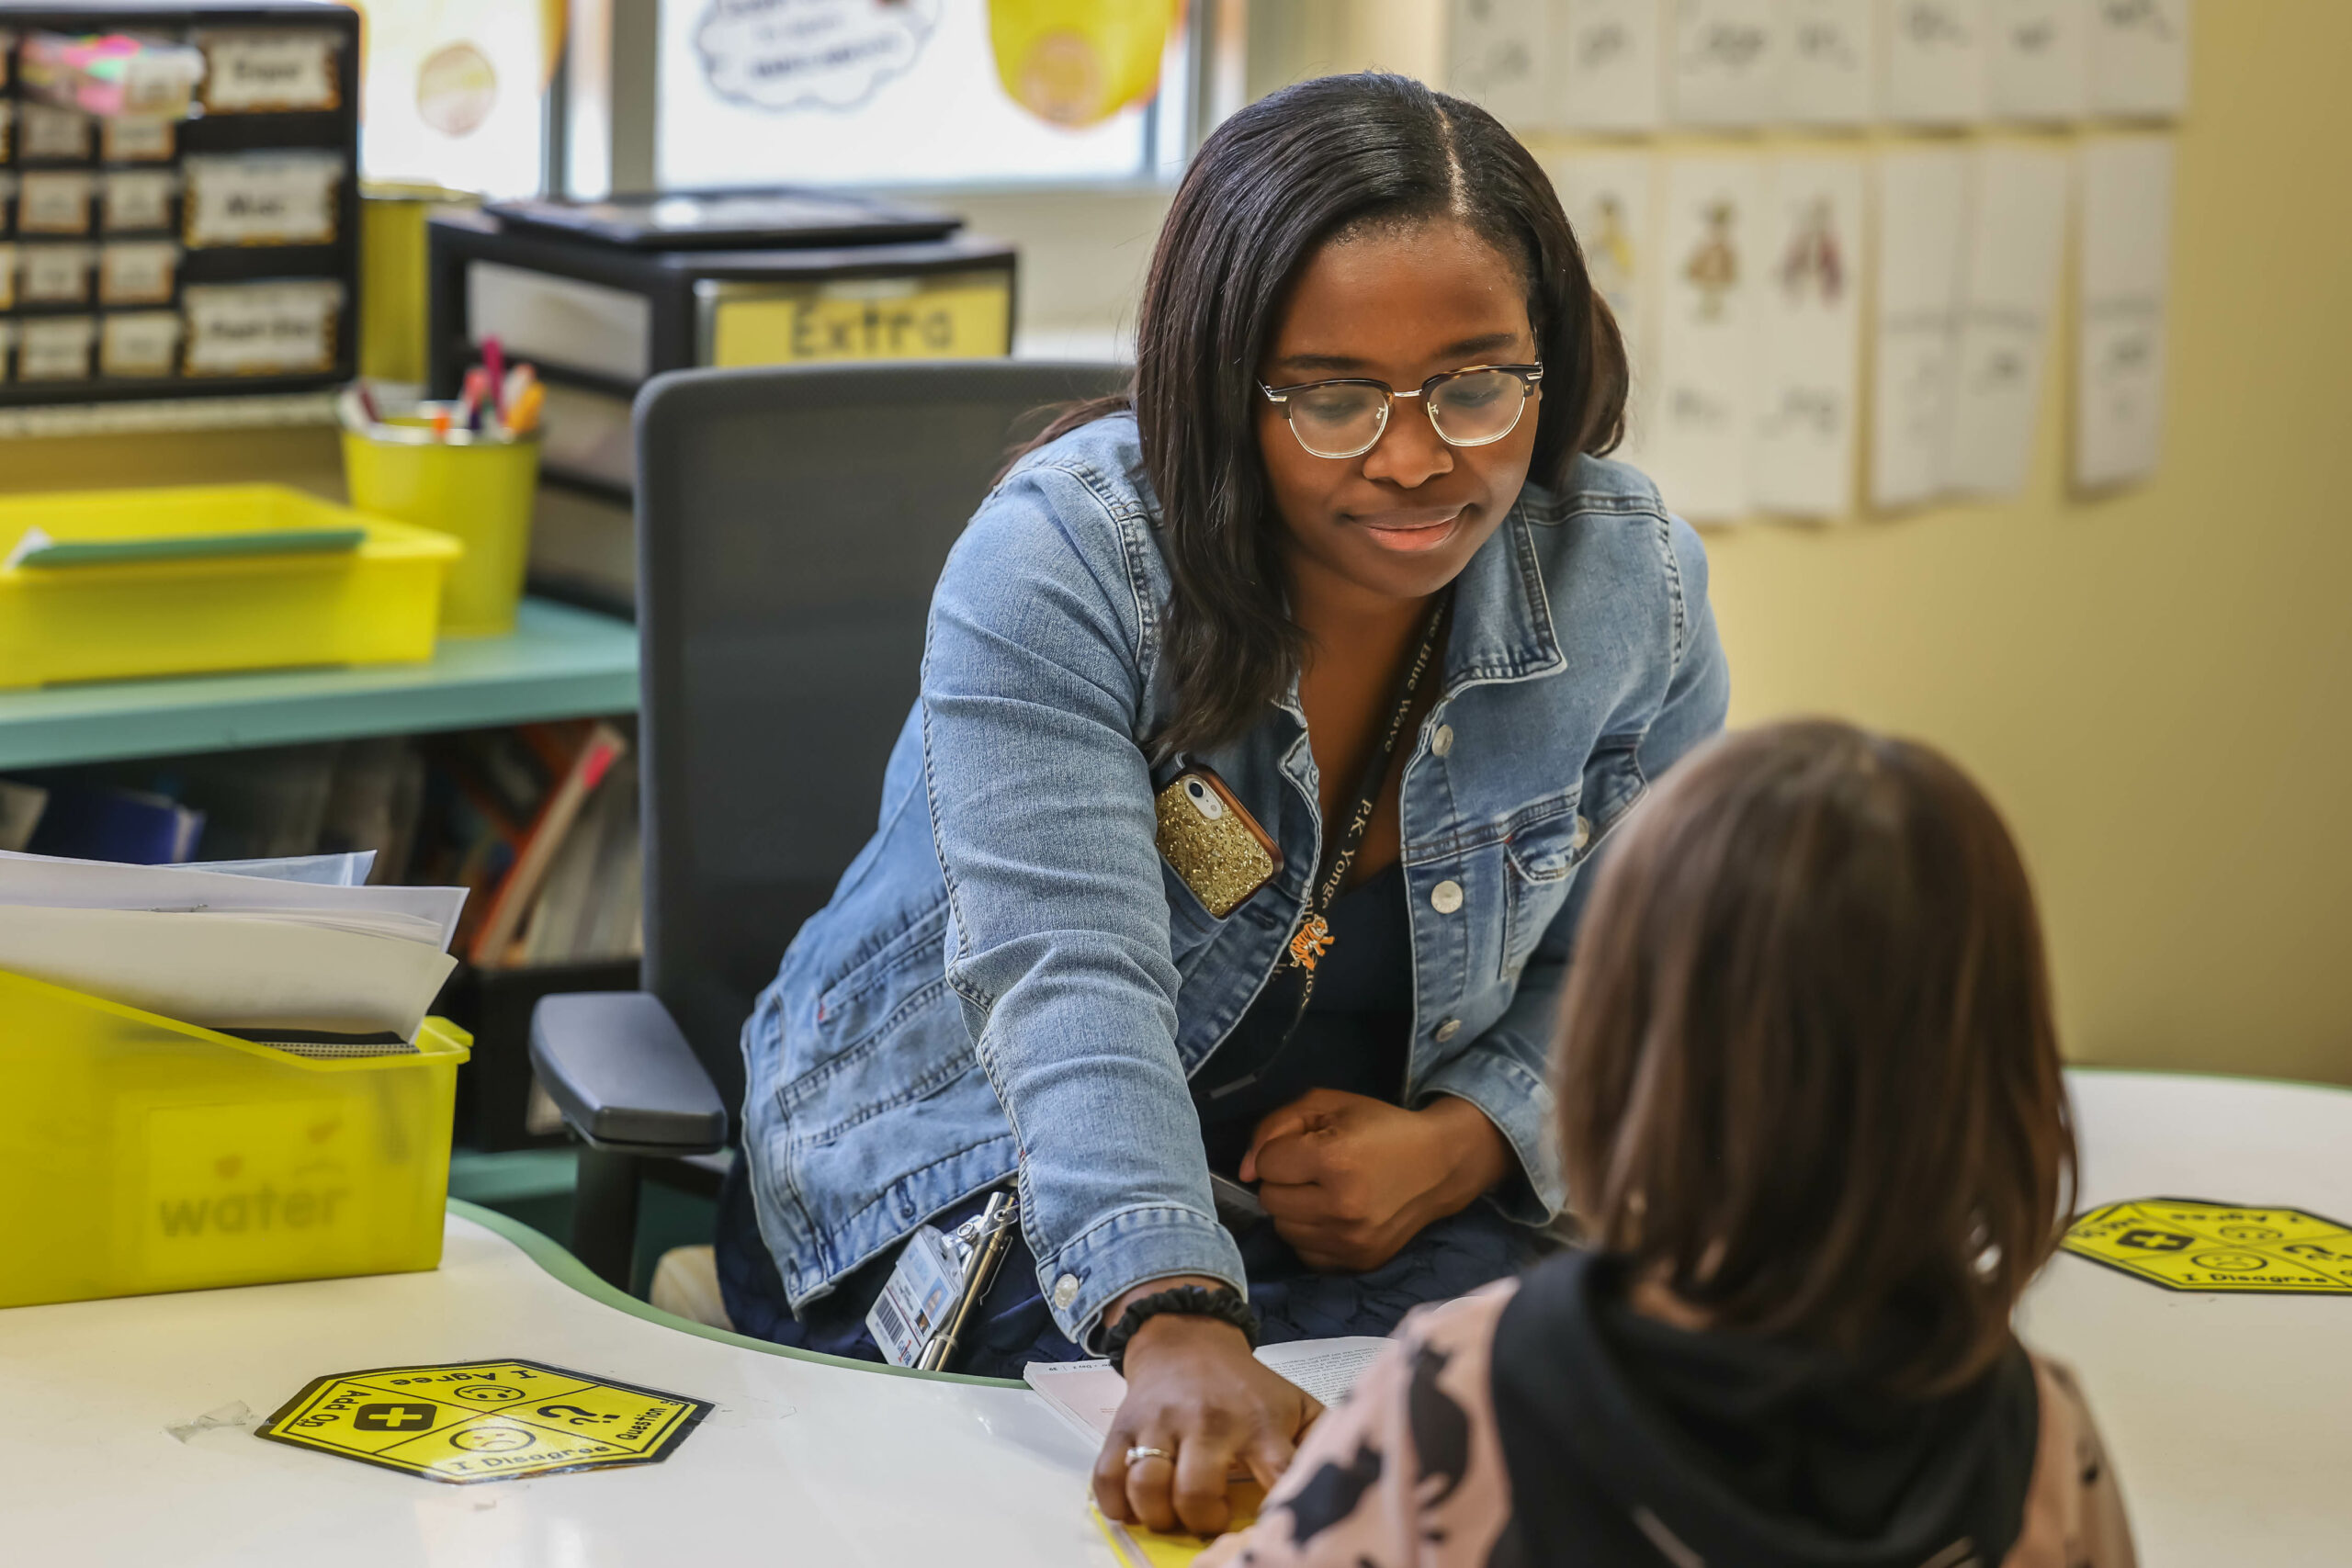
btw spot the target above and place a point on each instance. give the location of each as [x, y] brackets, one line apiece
[1467, 408]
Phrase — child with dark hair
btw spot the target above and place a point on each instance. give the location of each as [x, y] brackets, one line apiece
[1815, 1129]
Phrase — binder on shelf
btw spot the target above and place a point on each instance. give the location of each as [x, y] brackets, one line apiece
[603, 296]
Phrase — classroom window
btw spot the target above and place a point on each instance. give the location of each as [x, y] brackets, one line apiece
[919, 92]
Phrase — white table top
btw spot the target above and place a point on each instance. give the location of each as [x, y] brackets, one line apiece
[2230, 1418]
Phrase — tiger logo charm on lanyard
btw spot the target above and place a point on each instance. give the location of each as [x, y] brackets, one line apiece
[1310, 942]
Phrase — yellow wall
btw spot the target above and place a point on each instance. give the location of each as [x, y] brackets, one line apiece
[2156, 686]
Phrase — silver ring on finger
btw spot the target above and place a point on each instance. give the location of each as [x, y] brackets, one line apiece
[1142, 1452]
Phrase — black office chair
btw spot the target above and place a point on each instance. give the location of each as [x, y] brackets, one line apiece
[791, 523]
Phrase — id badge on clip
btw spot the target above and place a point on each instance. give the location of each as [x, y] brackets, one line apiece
[922, 1291]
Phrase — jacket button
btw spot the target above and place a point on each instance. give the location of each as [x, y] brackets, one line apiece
[1442, 741]
[1448, 1030]
[1583, 833]
[1065, 1290]
[1446, 897]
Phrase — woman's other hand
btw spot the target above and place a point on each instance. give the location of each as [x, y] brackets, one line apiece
[1349, 1179]
[1194, 1390]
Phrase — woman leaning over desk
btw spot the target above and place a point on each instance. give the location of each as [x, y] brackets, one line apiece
[1346, 552]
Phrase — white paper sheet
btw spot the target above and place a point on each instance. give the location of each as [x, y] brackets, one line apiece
[2126, 261]
[2139, 56]
[1935, 62]
[2038, 64]
[1086, 1394]
[227, 971]
[2017, 243]
[1498, 57]
[1608, 66]
[1702, 409]
[1922, 208]
[1725, 66]
[1610, 202]
[1810, 302]
[429, 914]
[1830, 73]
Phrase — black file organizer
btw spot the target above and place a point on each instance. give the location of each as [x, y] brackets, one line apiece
[335, 129]
[681, 285]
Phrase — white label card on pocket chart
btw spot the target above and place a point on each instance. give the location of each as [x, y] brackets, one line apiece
[1608, 197]
[7, 280]
[2126, 259]
[2016, 242]
[1830, 74]
[54, 348]
[137, 138]
[139, 343]
[2038, 64]
[1726, 69]
[258, 329]
[48, 133]
[55, 275]
[2139, 52]
[1701, 409]
[250, 72]
[1810, 302]
[1607, 64]
[1935, 62]
[139, 198]
[1498, 60]
[137, 272]
[54, 201]
[1923, 212]
[262, 198]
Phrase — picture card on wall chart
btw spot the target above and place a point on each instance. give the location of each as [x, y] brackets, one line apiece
[1498, 50]
[2037, 63]
[2139, 58]
[1829, 70]
[1809, 303]
[2016, 242]
[2126, 261]
[1922, 209]
[1610, 202]
[1607, 64]
[1702, 403]
[1935, 62]
[1725, 66]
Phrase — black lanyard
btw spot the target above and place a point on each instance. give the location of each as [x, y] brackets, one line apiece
[1311, 938]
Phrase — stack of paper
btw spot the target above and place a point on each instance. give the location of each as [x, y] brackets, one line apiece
[289, 953]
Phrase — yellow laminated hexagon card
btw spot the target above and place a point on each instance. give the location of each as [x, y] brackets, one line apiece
[484, 1420]
[2188, 1244]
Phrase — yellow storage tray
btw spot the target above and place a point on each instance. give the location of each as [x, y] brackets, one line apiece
[376, 604]
[145, 1155]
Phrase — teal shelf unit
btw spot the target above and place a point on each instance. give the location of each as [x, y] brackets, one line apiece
[560, 663]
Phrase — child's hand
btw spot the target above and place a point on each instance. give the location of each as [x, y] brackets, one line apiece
[1349, 1179]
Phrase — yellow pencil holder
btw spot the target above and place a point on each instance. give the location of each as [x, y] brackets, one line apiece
[475, 489]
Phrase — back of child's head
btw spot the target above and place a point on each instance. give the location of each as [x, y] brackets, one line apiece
[1809, 1081]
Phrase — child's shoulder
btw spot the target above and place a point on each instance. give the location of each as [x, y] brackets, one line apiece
[2074, 1506]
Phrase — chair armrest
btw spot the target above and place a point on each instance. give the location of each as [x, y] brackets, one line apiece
[624, 1077]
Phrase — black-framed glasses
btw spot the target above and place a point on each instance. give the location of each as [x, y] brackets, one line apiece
[1343, 418]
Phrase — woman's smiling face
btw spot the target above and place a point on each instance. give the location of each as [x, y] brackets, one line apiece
[1396, 305]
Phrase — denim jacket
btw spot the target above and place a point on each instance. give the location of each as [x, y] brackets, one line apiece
[1010, 981]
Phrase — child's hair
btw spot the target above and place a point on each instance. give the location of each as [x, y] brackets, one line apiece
[1808, 1080]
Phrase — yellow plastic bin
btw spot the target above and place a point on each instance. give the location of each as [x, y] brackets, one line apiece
[477, 487]
[245, 607]
[145, 1155]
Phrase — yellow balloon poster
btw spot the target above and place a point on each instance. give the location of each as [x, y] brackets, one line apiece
[1077, 62]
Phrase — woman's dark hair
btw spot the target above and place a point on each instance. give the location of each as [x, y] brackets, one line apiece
[1808, 1079]
[1271, 186]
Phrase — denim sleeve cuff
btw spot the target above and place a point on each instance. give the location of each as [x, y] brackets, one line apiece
[1518, 1103]
[1126, 1249]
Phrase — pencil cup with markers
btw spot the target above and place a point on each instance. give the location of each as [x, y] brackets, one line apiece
[468, 469]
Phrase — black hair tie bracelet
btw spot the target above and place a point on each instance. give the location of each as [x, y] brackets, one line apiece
[1222, 1304]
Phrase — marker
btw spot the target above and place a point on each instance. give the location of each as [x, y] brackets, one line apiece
[476, 391]
[368, 402]
[523, 417]
[493, 364]
[440, 421]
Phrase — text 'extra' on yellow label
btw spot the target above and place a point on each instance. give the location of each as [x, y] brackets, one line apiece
[963, 316]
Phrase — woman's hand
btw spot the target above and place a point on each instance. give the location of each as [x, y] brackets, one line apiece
[1349, 1179]
[1194, 1390]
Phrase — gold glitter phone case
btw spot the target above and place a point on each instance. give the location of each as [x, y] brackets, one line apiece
[1216, 846]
